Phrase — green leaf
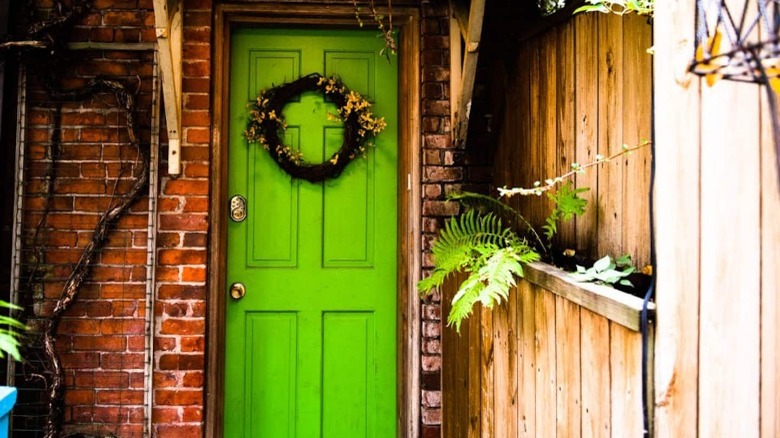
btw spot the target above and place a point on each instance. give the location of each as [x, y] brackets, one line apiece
[467, 295]
[582, 277]
[10, 345]
[567, 205]
[8, 305]
[609, 276]
[624, 260]
[592, 8]
[625, 282]
[602, 264]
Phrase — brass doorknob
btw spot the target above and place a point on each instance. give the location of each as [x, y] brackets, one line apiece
[237, 290]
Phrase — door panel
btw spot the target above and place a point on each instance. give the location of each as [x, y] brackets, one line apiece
[310, 349]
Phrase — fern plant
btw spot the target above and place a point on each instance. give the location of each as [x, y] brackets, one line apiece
[11, 333]
[483, 243]
[567, 204]
[480, 245]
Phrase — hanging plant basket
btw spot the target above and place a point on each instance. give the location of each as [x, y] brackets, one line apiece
[266, 126]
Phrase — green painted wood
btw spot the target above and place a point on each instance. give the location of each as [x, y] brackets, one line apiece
[311, 349]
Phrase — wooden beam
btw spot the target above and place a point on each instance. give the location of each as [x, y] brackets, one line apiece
[456, 62]
[617, 306]
[469, 71]
[168, 26]
[677, 214]
[460, 12]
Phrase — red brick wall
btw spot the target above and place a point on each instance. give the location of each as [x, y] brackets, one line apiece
[441, 171]
[446, 169]
[183, 246]
[102, 336]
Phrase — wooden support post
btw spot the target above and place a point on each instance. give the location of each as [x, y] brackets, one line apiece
[469, 71]
[168, 25]
[460, 13]
[456, 61]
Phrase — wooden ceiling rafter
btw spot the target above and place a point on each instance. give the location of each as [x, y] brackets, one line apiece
[168, 28]
[462, 84]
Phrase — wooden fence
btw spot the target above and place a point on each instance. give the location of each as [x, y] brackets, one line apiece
[580, 89]
[718, 246]
[561, 359]
[544, 364]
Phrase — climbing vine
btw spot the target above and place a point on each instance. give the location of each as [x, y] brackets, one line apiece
[45, 39]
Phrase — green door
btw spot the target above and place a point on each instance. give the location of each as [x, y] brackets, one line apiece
[311, 348]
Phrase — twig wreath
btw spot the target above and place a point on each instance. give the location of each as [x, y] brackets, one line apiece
[266, 125]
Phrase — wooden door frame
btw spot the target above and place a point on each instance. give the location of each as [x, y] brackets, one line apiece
[228, 16]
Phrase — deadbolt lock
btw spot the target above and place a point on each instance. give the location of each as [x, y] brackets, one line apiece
[238, 208]
[237, 290]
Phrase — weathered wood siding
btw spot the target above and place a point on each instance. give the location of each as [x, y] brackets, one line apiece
[540, 365]
[580, 89]
[718, 245]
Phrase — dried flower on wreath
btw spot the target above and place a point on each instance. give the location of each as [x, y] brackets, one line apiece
[266, 126]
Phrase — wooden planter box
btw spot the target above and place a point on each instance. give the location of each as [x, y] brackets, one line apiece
[560, 357]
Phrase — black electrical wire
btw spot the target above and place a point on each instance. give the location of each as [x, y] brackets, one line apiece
[644, 323]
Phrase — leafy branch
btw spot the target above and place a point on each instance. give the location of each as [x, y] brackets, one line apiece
[619, 7]
[388, 33]
[567, 205]
[576, 168]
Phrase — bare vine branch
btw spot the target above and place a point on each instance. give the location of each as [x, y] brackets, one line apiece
[576, 168]
[56, 384]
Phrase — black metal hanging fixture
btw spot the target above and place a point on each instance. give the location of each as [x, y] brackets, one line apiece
[740, 41]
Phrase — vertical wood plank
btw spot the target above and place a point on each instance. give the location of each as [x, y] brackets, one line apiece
[626, 381]
[546, 123]
[567, 361]
[537, 132]
[526, 362]
[565, 95]
[474, 429]
[456, 63]
[486, 372]
[637, 125]
[610, 175]
[676, 221]
[521, 112]
[770, 281]
[730, 261]
[545, 363]
[587, 123]
[455, 368]
[596, 375]
[505, 367]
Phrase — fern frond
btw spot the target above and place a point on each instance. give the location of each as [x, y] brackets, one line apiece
[464, 300]
[499, 275]
[491, 282]
[463, 242]
[488, 204]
